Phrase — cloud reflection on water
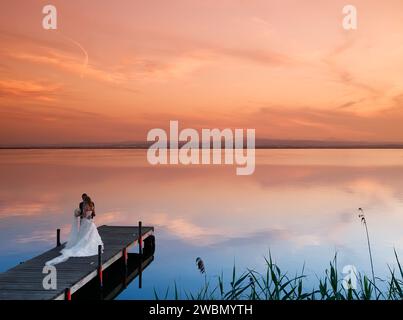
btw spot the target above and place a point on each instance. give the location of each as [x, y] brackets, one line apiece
[302, 204]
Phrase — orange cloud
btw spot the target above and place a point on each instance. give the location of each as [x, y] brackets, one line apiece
[289, 74]
[32, 90]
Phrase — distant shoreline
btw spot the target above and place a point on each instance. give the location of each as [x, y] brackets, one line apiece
[259, 144]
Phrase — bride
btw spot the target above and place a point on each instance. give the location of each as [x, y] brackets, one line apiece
[84, 238]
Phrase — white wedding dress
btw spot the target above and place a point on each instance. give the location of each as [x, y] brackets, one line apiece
[83, 240]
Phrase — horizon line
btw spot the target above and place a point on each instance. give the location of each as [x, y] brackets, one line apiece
[259, 144]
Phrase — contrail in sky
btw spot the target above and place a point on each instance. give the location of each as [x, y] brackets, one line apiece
[85, 64]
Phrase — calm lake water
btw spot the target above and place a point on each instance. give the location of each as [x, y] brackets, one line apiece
[299, 204]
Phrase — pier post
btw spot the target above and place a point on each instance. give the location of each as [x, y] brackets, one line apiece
[67, 294]
[140, 255]
[125, 265]
[58, 244]
[125, 257]
[140, 272]
[140, 239]
[100, 266]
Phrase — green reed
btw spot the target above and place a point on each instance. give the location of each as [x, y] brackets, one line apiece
[275, 284]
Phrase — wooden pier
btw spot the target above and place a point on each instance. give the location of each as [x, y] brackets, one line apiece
[25, 281]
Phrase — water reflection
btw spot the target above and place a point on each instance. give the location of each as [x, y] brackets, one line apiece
[300, 204]
[116, 279]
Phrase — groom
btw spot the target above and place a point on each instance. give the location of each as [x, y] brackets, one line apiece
[84, 196]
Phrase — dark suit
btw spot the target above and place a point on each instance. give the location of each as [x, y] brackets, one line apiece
[81, 206]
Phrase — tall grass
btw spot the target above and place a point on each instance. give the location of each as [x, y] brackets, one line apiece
[364, 222]
[274, 284]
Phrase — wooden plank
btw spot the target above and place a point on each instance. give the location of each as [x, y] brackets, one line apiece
[24, 281]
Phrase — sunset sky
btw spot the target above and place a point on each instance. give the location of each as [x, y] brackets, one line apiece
[113, 70]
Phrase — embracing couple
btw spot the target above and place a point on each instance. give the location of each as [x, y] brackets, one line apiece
[86, 208]
[84, 238]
